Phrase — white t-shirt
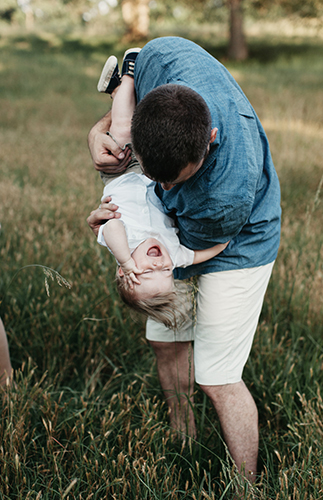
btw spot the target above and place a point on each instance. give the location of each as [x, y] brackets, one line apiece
[143, 216]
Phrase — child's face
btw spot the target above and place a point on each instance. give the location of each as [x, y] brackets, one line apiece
[153, 258]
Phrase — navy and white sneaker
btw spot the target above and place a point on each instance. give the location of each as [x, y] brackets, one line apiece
[110, 77]
[128, 63]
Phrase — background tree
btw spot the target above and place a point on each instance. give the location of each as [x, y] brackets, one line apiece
[135, 14]
[208, 10]
[237, 49]
[237, 46]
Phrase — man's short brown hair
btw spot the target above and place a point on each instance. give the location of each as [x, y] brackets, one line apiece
[171, 128]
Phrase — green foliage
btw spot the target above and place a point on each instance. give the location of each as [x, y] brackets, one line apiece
[190, 11]
[65, 13]
[310, 8]
[105, 15]
[199, 11]
[8, 4]
[7, 10]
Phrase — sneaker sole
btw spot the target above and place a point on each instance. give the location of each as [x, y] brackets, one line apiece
[107, 73]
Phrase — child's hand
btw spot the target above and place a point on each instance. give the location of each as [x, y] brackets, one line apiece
[220, 247]
[130, 271]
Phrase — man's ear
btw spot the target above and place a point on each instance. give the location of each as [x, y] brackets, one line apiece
[214, 131]
[120, 272]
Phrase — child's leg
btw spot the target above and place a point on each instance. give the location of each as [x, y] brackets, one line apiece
[123, 106]
[122, 90]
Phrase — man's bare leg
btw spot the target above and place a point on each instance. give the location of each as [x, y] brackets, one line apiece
[5, 365]
[175, 368]
[238, 417]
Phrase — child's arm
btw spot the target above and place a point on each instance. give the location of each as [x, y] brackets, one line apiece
[114, 234]
[203, 255]
[123, 106]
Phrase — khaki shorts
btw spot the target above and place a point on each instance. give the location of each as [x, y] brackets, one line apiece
[228, 305]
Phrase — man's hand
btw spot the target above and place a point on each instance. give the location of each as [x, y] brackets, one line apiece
[107, 156]
[101, 215]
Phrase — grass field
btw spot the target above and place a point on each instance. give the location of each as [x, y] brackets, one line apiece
[85, 418]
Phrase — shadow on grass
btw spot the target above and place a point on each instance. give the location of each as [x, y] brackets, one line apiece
[63, 44]
[35, 43]
[268, 51]
[261, 51]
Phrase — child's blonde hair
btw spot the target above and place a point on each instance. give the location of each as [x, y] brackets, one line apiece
[163, 308]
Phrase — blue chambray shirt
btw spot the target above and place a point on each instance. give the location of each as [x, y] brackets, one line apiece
[235, 195]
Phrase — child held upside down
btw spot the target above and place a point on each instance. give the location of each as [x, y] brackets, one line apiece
[144, 239]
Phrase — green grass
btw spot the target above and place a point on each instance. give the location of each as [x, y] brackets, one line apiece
[85, 417]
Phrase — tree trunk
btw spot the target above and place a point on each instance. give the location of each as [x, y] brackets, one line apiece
[237, 46]
[135, 14]
[29, 18]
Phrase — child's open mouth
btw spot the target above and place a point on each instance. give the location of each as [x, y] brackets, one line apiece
[154, 252]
